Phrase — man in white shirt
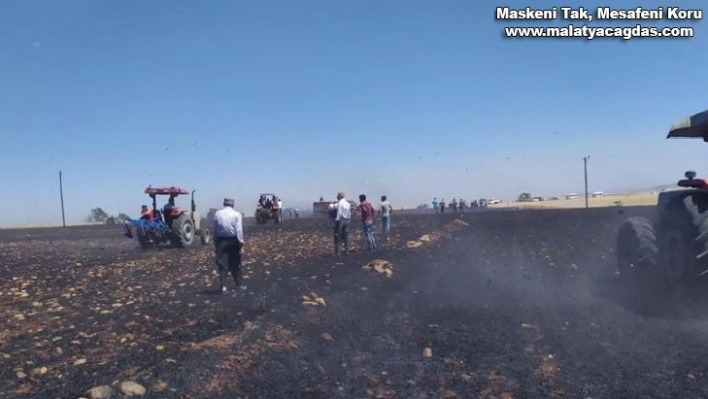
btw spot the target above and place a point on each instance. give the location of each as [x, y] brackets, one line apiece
[386, 209]
[341, 223]
[227, 231]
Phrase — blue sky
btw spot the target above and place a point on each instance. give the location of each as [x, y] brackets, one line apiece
[409, 98]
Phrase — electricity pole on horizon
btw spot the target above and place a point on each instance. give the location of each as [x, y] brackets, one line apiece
[61, 197]
[585, 167]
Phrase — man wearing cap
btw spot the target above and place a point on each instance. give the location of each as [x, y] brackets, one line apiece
[341, 223]
[228, 242]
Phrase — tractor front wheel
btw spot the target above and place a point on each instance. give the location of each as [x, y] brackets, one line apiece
[205, 236]
[183, 231]
[143, 238]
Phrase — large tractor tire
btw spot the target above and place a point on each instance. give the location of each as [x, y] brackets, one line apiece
[183, 231]
[683, 238]
[205, 236]
[637, 251]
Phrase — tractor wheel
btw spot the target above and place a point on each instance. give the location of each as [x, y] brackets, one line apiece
[683, 238]
[143, 238]
[637, 252]
[183, 231]
[205, 236]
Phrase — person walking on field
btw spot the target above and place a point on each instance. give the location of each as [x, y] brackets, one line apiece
[386, 210]
[341, 223]
[367, 221]
[228, 242]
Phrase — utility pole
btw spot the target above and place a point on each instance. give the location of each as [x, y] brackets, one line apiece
[61, 196]
[585, 167]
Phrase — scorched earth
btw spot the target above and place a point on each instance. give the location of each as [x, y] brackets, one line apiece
[518, 304]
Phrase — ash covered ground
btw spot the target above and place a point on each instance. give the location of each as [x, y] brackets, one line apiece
[517, 304]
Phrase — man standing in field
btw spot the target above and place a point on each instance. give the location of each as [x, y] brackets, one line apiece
[435, 204]
[367, 221]
[341, 223]
[386, 210]
[228, 242]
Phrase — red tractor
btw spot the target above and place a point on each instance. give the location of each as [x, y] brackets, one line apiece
[178, 226]
[673, 248]
[269, 207]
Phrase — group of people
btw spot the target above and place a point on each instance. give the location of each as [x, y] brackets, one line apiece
[267, 202]
[341, 213]
[227, 232]
[455, 206]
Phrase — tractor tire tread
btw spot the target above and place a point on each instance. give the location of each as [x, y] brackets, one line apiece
[178, 232]
[636, 245]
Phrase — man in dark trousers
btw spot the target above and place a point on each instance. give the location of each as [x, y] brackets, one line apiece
[342, 217]
[228, 242]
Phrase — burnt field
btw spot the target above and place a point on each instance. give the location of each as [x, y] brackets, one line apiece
[487, 305]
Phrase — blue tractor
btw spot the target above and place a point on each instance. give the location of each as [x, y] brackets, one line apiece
[171, 224]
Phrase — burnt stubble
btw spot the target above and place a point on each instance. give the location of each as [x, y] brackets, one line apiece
[488, 305]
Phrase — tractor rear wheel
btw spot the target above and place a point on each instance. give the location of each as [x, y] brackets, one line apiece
[683, 238]
[183, 231]
[637, 251]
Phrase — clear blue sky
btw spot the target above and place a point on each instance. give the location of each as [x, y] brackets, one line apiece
[410, 98]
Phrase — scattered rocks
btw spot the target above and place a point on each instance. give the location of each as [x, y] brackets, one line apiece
[100, 392]
[160, 386]
[313, 300]
[414, 244]
[132, 388]
[381, 266]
